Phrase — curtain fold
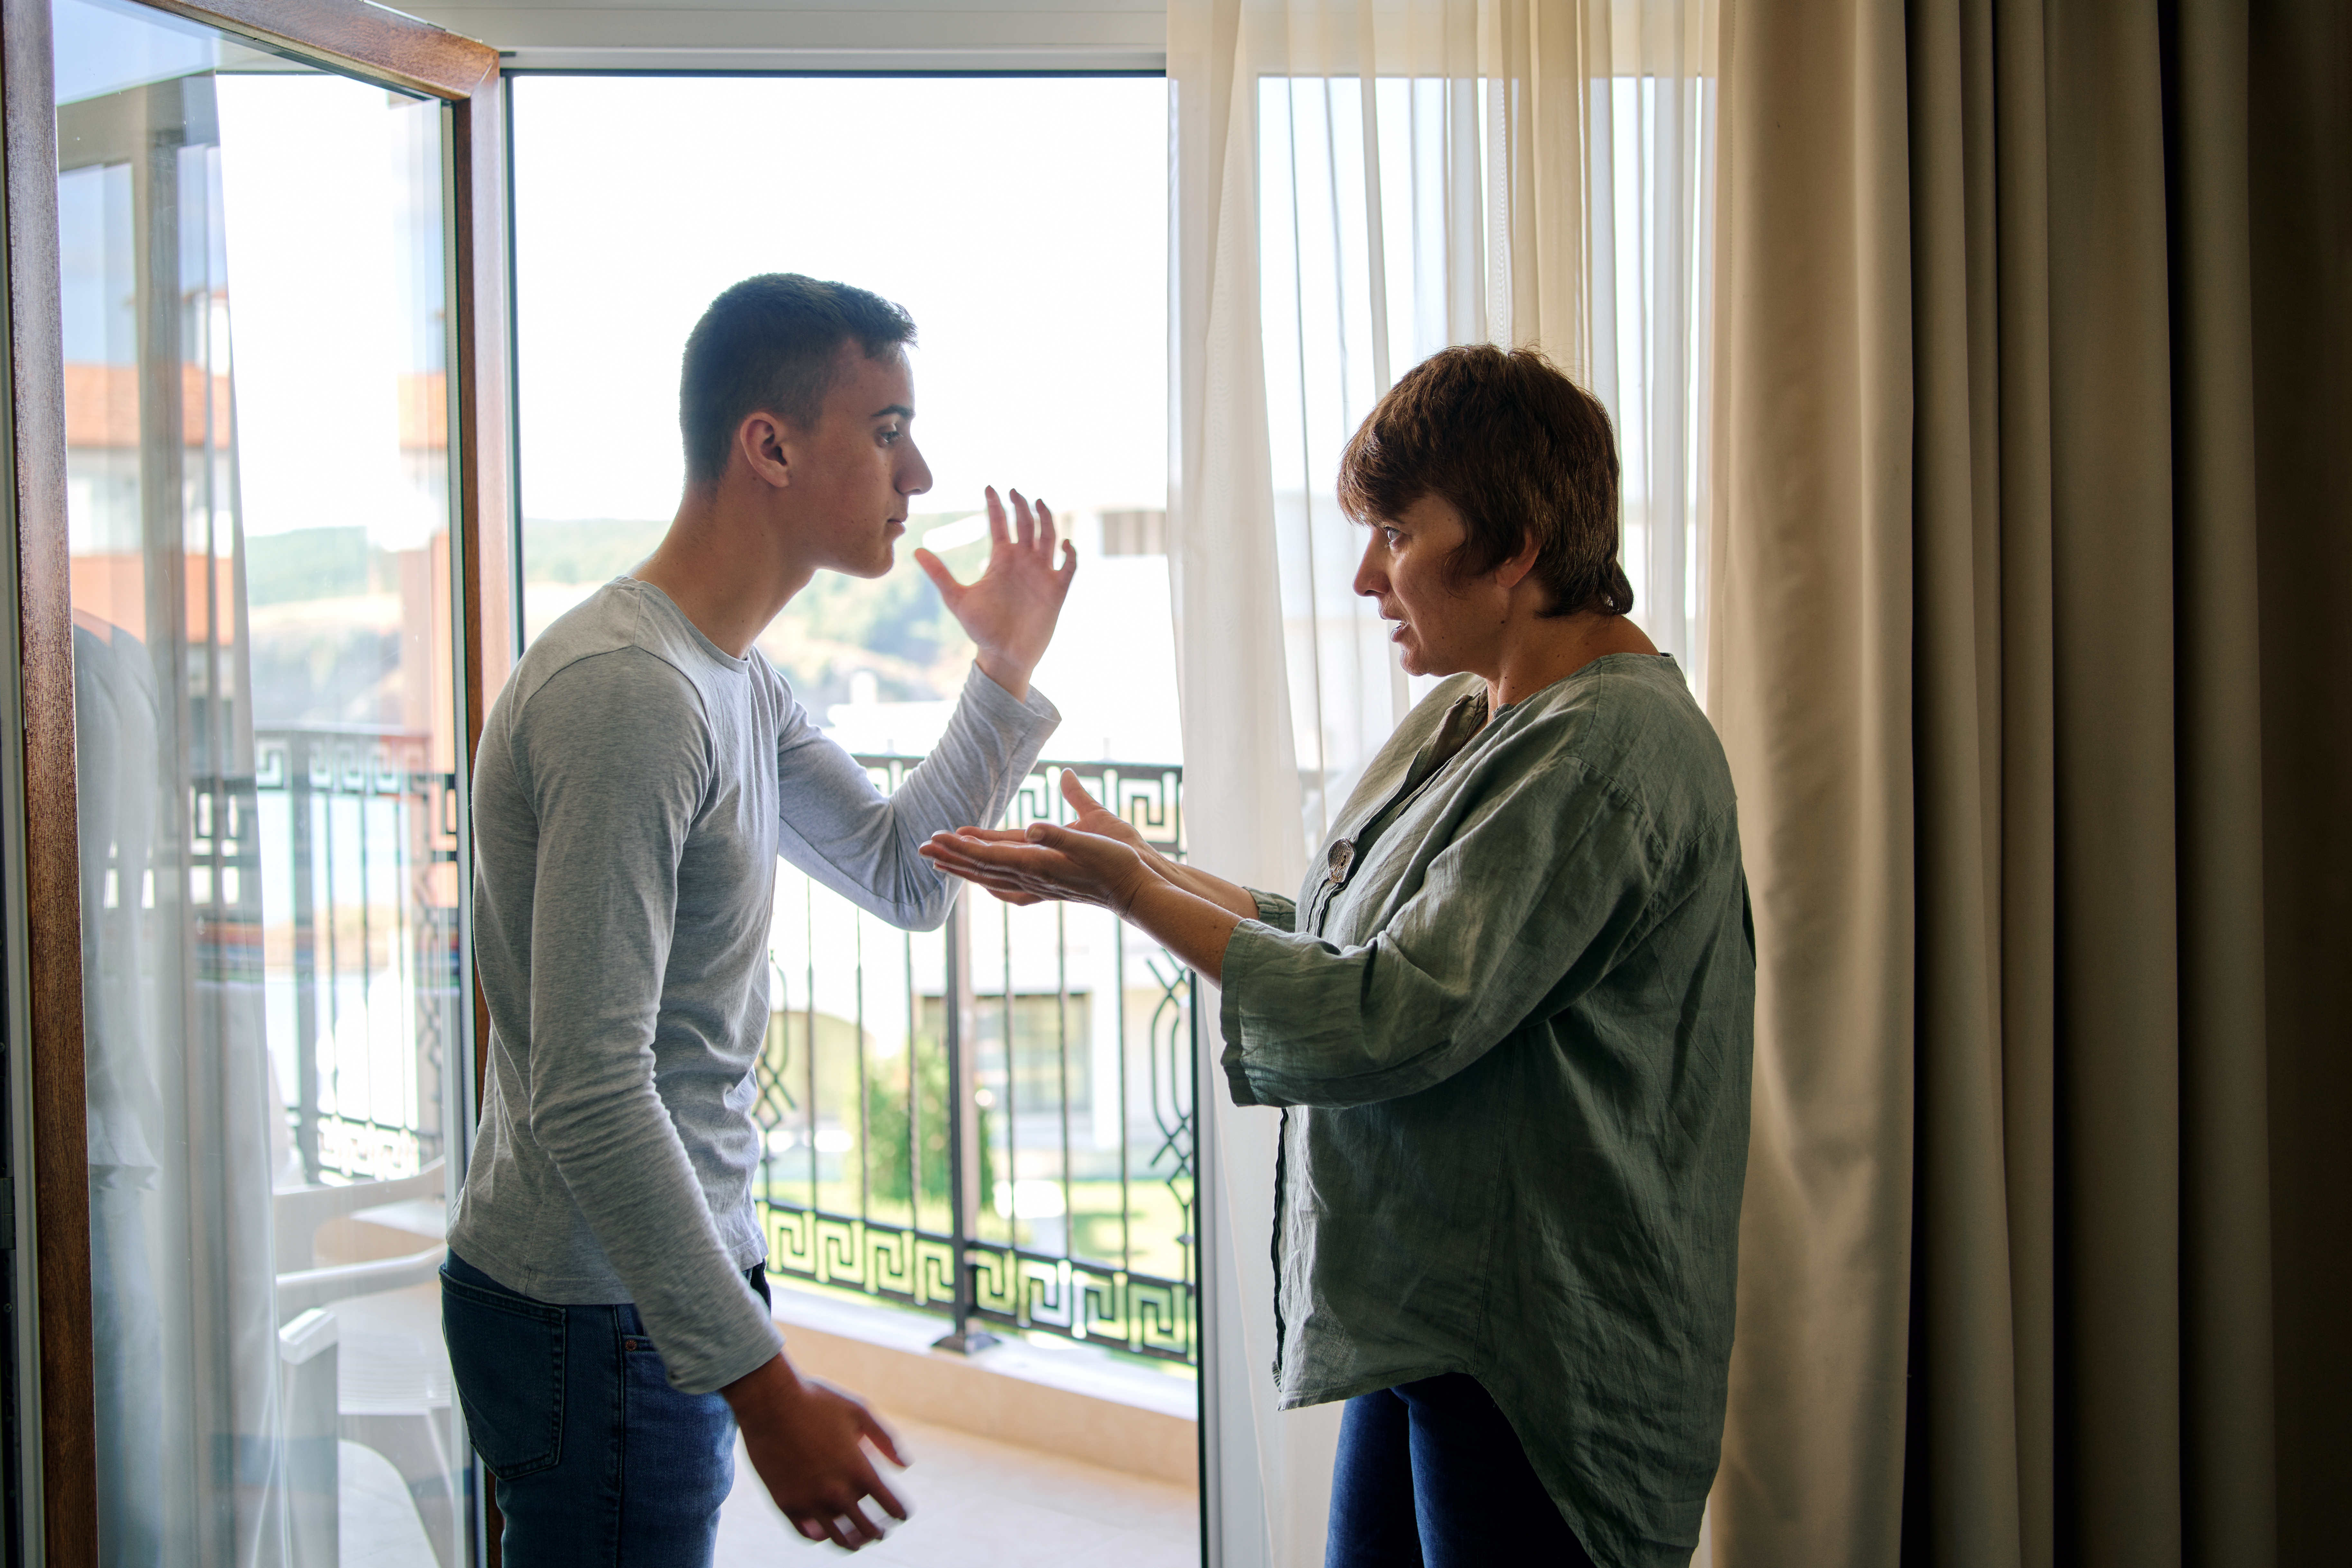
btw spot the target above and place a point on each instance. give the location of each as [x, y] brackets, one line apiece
[2031, 315]
[1242, 796]
[1810, 690]
[2299, 188]
[2124, 1321]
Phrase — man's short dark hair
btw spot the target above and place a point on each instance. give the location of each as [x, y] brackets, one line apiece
[1515, 446]
[771, 345]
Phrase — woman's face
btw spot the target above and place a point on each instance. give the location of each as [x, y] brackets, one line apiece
[1441, 627]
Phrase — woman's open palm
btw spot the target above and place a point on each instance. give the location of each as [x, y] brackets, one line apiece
[1097, 858]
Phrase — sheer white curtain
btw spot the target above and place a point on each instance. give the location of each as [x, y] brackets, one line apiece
[1358, 183]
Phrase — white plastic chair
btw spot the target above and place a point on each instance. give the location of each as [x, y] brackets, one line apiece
[387, 1391]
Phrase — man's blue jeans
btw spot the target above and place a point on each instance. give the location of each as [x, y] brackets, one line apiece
[598, 1459]
[1430, 1475]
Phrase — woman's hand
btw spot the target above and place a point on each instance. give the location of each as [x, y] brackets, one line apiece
[1045, 861]
[1088, 816]
[951, 851]
[1091, 815]
[1101, 859]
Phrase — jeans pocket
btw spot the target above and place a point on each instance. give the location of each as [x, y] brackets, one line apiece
[506, 1355]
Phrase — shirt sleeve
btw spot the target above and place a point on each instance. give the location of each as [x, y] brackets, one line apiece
[861, 844]
[1273, 910]
[623, 767]
[1545, 881]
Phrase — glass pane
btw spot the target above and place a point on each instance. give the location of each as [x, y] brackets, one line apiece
[1023, 223]
[257, 457]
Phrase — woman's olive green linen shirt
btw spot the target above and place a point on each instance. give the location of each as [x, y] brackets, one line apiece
[1514, 1009]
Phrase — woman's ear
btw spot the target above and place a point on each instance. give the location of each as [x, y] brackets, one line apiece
[1514, 570]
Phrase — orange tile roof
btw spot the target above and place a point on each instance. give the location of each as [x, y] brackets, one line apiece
[424, 410]
[102, 406]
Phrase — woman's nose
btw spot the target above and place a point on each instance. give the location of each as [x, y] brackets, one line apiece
[1371, 579]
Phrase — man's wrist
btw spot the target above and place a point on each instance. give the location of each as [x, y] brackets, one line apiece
[771, 1379]
[1012, 676]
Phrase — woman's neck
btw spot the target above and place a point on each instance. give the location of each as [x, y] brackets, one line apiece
[1545, 650]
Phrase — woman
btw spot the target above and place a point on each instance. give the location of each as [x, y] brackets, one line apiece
[1509, 1016]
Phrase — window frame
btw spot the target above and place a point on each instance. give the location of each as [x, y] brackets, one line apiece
[52, 1470]
[911, 38]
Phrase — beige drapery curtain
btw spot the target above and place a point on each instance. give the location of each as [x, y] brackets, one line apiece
[2031, 566]
[1811, 631]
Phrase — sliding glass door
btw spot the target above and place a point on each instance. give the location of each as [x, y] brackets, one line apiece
[256, 267]
[253, 264]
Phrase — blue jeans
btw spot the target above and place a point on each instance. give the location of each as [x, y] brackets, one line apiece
[1430, 1475]
[598, 1459]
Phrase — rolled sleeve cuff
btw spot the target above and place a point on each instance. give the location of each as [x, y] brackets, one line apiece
[1244, 949]
[1276, 911]
[747, 1341]
[1032, 712]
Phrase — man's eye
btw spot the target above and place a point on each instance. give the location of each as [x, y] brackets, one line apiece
[889, 435]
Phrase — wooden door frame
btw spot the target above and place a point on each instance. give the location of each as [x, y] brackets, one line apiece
[43, 908]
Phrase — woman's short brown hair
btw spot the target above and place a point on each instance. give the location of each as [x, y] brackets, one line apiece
[1516, 448]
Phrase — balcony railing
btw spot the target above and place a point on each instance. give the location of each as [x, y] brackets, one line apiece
[1015, 1090]
[357, 857]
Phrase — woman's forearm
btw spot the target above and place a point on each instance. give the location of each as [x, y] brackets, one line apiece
[1216, 889]
[1195, 928]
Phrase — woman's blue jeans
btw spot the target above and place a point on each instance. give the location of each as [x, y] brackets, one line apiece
[598, 1459]
[1430, 1475]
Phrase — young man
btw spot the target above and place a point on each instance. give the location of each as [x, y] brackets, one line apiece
[604, 1298]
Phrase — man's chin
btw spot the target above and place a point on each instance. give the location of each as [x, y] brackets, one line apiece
[878, 561]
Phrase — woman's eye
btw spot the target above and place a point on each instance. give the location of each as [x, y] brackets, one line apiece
[1391, 536]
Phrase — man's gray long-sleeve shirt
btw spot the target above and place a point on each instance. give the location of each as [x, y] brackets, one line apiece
[633, 789]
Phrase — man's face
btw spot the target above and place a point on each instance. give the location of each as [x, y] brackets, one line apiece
[851, 477]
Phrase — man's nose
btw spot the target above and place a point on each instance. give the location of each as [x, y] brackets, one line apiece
[914, 476]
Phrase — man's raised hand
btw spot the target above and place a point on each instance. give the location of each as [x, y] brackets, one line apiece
[1010, 612]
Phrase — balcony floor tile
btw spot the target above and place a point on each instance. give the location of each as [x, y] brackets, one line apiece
[979, 1504]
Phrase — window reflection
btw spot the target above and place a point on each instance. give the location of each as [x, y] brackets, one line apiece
[252, 261]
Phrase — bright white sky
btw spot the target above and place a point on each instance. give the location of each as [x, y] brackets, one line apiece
[1022, 222]
[319, 177]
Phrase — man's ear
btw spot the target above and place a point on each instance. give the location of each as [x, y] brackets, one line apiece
[763, 445]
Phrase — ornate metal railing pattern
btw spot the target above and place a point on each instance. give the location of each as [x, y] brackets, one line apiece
[1082, 1231]
[355, 826]
[935, 1116]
